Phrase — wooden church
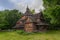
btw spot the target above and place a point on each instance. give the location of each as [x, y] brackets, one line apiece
[31, 22]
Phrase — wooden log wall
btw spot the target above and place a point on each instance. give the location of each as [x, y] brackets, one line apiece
[29, 27]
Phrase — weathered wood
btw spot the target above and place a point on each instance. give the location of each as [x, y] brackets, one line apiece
[30, 22]
[29, 27]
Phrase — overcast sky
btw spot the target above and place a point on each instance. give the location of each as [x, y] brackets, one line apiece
[21, 4]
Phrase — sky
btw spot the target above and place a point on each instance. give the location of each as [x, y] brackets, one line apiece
[21, 5]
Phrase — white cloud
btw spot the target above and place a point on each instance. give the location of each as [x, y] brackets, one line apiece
[33, 4]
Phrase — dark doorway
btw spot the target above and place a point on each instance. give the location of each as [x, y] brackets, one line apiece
[37, 27]
[21, 28]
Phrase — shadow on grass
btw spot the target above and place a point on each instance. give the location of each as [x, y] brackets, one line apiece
[52, 31]
[21, 32]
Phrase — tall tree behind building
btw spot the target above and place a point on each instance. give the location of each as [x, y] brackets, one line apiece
[52, 12]
[8, 18]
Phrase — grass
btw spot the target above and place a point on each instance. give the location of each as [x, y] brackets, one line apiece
[51, 35]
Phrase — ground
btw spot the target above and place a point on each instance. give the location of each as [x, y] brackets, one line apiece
[51, 35]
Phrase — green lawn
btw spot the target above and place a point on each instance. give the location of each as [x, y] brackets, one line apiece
[51, 35]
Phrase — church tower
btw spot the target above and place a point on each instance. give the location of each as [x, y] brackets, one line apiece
[28, 12]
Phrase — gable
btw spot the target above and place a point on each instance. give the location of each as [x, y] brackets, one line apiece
[23, 18]
[28, 20]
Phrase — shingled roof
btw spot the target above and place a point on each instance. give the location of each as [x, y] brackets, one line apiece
[33, 18]
[28, 12]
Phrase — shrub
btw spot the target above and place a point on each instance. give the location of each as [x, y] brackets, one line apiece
[24, 33]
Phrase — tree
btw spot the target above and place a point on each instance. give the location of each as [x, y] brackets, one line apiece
[33, 11]
[8, 18]
[52, 12]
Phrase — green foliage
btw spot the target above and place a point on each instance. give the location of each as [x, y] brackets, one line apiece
[52, 12]
[22, 32]
[8, 18]
[51, 3]
[50, 35]
[33, 11]
[3, 22]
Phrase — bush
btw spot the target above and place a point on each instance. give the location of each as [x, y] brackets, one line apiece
[20, 31]
[24, 33]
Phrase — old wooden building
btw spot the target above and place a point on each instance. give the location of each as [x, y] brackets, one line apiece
[31, 22]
